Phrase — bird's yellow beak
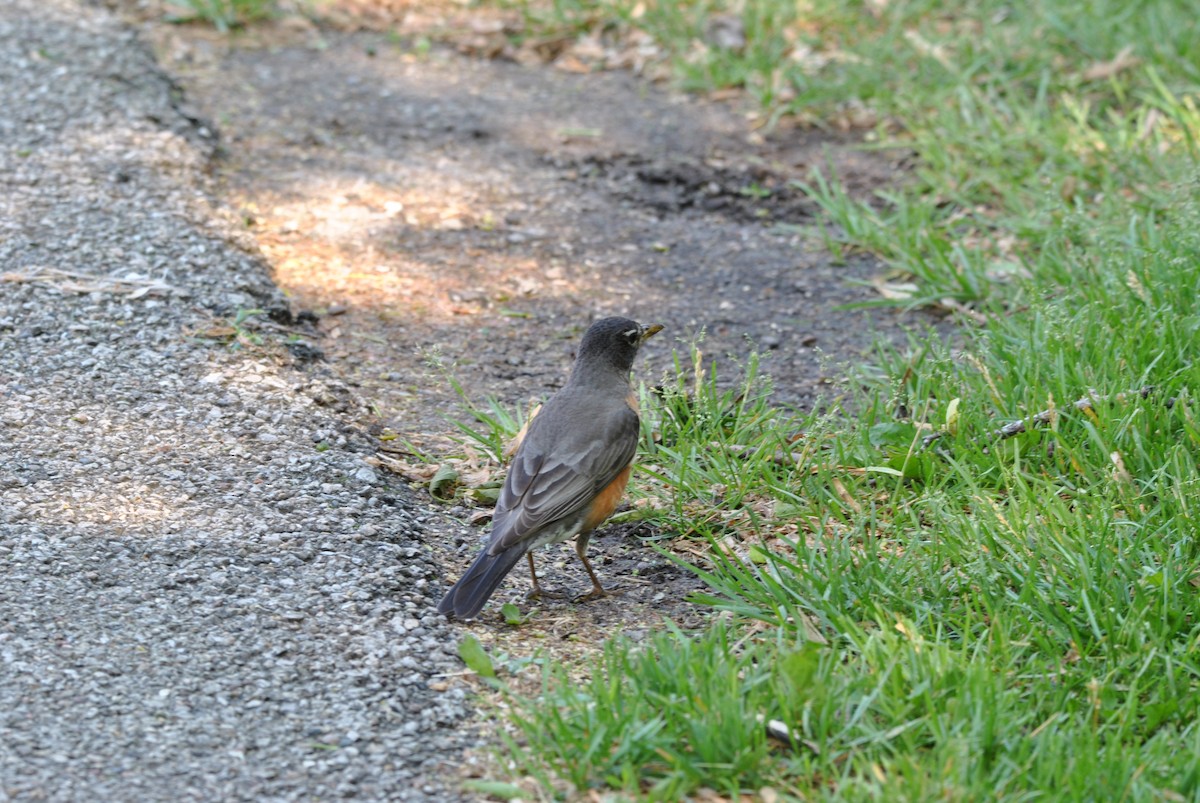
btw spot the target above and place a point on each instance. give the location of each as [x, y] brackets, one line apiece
[650, 331]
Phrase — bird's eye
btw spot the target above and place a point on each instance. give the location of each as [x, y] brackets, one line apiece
[633, 336]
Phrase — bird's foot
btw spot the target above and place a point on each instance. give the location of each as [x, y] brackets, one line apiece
[537, 592]
[597, 593]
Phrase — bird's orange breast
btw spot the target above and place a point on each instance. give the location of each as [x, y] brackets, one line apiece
[607, 500]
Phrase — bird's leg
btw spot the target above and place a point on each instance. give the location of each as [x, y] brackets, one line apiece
[537, 592]
[581, 543]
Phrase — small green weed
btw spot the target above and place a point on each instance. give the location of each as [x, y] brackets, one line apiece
[224, 15]
[709, 443]
[237, 332]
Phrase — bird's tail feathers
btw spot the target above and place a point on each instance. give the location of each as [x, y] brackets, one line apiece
[478, 583]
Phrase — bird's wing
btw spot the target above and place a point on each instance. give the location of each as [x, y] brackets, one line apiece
[554, 479]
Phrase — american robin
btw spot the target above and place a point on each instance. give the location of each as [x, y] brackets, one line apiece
[570, 469]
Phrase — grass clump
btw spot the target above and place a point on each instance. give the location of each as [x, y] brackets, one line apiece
[686, 713]
[224, 15]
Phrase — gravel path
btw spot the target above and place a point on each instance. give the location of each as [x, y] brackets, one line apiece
[205, 593]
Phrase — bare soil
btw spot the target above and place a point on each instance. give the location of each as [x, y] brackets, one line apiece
[430, 205]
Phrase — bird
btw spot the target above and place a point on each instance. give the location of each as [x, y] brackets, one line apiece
[570, 467]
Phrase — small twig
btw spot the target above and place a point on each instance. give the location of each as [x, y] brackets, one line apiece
[1088, 402]
[1014, 428]
[70, 281]
[932, 437]
[956, 306]
[780, 457]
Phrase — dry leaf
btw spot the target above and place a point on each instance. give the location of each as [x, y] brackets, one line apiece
[569, 63]
[854, 115]
[726, 93]
[845, 496]
[1119, 470]
[927, 48]
[1103, 70]
[413, 472]
[811, 61]
[895, 291]
[589, 50]
[811, 631]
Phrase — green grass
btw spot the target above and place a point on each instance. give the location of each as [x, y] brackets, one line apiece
[224, 15]
[934, 610]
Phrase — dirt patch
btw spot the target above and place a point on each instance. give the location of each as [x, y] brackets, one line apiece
[637, 576]
[746, 193]
[488, 211]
